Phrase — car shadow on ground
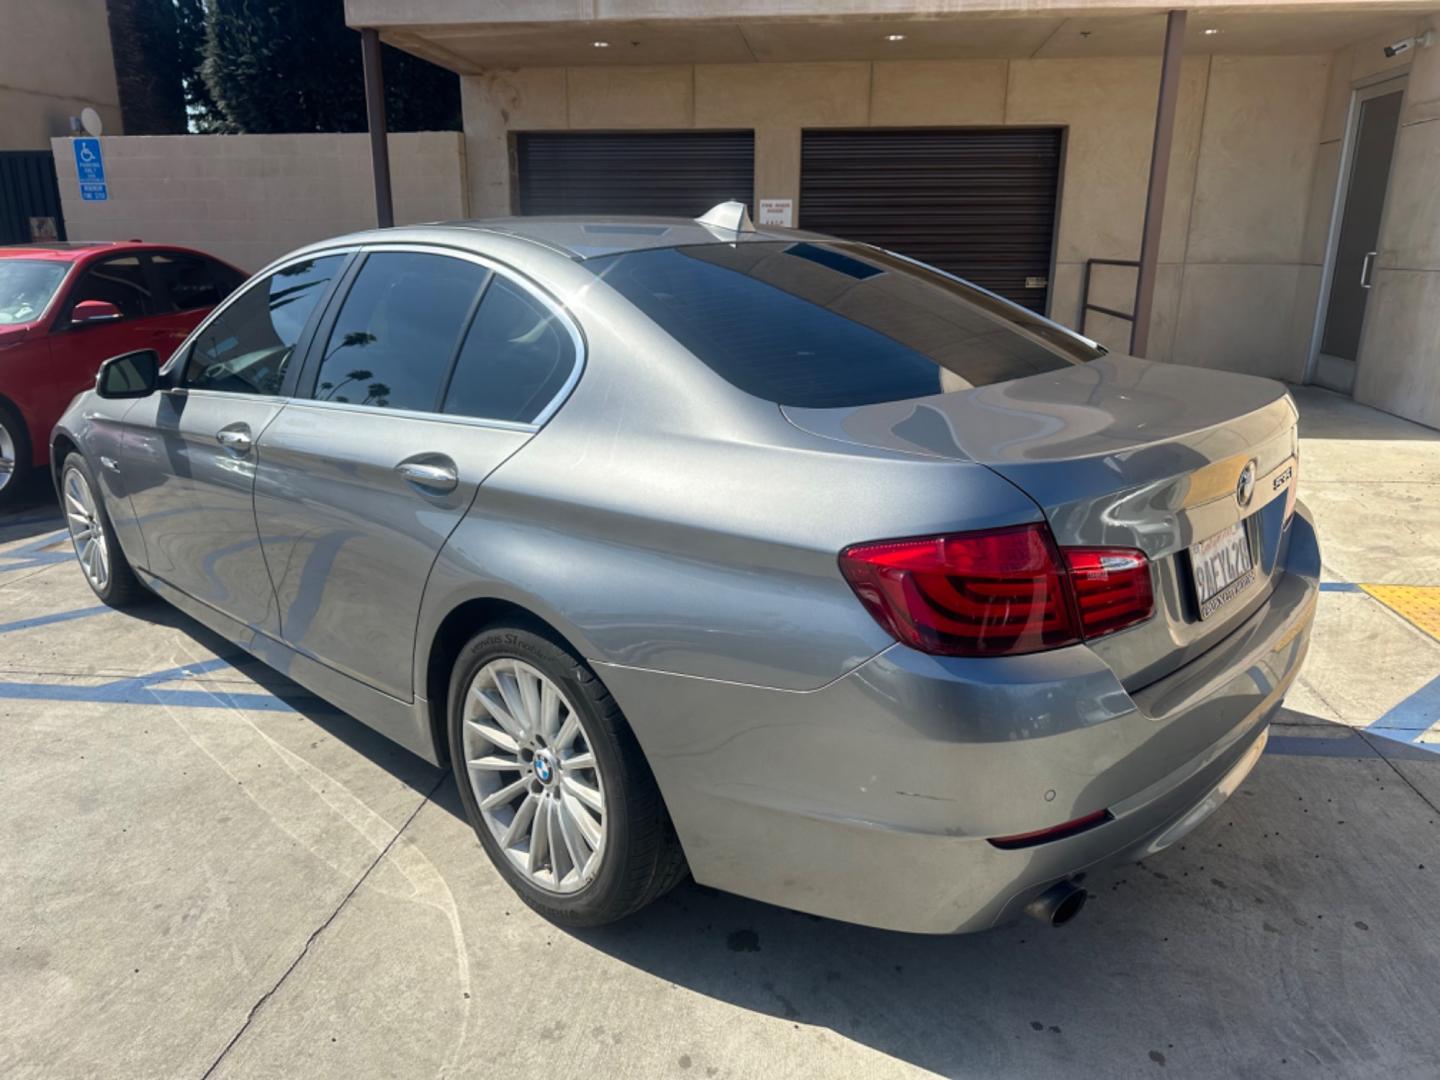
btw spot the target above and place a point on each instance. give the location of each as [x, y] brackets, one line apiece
[405, 766]
[31, 509]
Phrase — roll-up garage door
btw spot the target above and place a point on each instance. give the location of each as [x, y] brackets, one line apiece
[677, 174]
[978, 203]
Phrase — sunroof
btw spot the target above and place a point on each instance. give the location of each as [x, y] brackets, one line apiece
[834, 260]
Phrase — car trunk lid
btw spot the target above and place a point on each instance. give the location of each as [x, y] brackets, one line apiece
[1120, 452]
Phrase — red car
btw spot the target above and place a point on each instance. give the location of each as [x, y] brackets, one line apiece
[66, 307]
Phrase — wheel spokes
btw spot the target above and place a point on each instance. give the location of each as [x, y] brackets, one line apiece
[588, 795]
[503, 795]
[585, 760]
[501, 740]
[521, 823]
[534, 775]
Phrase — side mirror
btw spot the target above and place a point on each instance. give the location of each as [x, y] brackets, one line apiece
[129, 375]
[94, 311]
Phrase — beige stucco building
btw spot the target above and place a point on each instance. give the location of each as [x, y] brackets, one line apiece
[1266, 138]
[55, 60]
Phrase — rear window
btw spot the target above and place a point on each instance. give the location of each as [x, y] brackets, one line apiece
[831, 325]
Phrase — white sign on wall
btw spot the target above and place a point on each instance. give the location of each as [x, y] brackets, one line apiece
[777, 212]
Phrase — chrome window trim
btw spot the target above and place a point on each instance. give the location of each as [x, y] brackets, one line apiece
[410, 414]
[345, 406]
[521, 281]
[224, 306]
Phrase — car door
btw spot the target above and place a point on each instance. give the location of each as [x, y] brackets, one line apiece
[77, 350]
[189, 452]
[190, 284]
[360, 485]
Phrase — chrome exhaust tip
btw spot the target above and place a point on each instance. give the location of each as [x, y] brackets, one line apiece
[1058, 904]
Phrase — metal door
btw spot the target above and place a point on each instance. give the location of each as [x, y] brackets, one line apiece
[673, 173]
[1376, 121]
[980, 203]
[353, 505]
[28, 190]
[189, 467]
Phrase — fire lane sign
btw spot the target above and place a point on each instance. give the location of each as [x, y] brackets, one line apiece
[90, 170]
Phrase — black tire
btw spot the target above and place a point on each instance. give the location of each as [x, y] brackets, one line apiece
[19, 434]
[123, 589]
[642, 857]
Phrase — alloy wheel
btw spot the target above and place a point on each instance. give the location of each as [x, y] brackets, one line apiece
[86, 531]
[7, 457]
[534, 775]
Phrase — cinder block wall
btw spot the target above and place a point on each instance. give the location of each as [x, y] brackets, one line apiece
[251, 198]
[1233, 278]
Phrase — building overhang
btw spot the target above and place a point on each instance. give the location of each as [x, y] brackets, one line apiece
[469, 36]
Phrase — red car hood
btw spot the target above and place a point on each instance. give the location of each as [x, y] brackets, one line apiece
[14, 334]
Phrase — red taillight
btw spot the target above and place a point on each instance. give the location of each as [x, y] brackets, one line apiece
[1112, 588]
[997, 593]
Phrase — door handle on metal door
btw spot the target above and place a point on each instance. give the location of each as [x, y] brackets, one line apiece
[1365, 266]
[235, 438]
[434, 477]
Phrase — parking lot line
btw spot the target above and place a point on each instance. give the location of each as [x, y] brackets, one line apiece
[46, 620]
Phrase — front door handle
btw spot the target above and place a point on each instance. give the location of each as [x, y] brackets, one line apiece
[1365, 265]
[236, 438]
[432, 476]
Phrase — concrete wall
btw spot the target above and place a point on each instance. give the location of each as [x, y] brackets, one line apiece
[251, 198]
[54, 60]
[1248, 133]
[1399, 361]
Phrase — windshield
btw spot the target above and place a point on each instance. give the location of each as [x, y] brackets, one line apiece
[836, 324]
[26, 286]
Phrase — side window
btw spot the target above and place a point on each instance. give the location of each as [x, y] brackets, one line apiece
[246, 348]
[193, 281]
[397, 330]
[516, 358]
[120, 281]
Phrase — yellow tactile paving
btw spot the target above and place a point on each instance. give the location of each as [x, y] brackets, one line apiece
[1418, 604]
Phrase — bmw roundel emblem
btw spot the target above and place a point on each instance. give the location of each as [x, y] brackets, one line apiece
[1245, 486]
[543, 769]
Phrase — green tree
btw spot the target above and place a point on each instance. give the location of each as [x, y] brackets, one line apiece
[192, 27]
[146, 50]
[283, 66]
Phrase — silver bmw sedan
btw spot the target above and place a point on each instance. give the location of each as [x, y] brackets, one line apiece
[789, 563]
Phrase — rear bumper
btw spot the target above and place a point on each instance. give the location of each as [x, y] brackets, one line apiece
[872, 799]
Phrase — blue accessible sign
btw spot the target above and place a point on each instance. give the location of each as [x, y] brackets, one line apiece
[90, 169]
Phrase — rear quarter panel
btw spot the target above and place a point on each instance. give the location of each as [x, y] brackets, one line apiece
[665, 520]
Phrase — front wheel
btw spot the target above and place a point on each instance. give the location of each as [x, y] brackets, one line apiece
[554, 783]
[14, 453]
[105, 567]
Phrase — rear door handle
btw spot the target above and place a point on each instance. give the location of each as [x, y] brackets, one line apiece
[236, 438]
[432, 476]
[1365, 266]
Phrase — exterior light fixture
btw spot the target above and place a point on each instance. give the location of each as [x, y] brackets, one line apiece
[600, 44]
[1210, 31]
[894, 37]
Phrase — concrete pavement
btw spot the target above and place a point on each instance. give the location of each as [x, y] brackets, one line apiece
[205, 872]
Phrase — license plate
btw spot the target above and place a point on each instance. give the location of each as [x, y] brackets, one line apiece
[1223, 567]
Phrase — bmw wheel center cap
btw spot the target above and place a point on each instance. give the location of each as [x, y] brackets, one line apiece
[544, 767]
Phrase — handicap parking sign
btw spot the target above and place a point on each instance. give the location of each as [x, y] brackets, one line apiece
[90, 170]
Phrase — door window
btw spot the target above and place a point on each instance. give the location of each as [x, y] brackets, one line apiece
[516, 358]
[194, 281]
[247, 347]
[120, 281]
[397, 331]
